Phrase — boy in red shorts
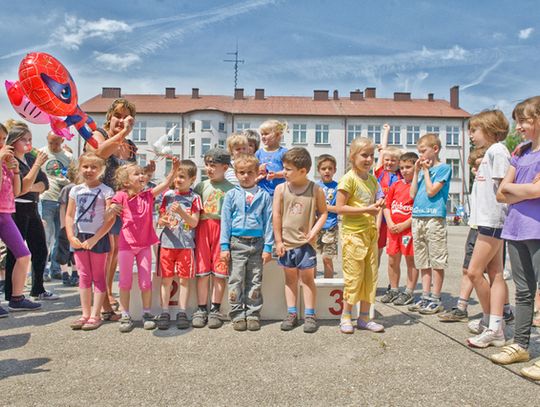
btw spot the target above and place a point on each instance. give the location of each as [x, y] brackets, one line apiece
[178, 215]
[398, 214]
[207, 248]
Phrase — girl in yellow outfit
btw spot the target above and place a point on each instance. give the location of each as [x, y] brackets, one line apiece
[359, 201]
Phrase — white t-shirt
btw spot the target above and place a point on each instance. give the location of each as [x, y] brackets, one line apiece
[485, 210]
[92, 220]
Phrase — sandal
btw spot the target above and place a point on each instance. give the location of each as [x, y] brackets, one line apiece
[78, 324]
[110, 316]
[91, 324]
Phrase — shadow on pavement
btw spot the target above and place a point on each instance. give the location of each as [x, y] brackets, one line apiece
[13, 341]
[14, 367]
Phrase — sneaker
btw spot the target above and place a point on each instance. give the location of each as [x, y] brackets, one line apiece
[78, 323]
[390, 296]
[253, 324]
[66, 279]
[346, 326]
[126, 324]
[46, 278]
[511, 354]
[532, 372]
[290, 322]
[57, 275]
[487, 338]
[477, 326]
[369, 325]
[74, 280]
[214, 320]
[46, 296]
[149, 321]
[508, 316]
[3, 313]
[239, 325]
[418, 303]
[310, 324]
[2, 285]
[200, 319]
[182, 321]
[431, 307]
[163, 320]
[403, 299]
[507, 274]
[455, 315]
[23, 305]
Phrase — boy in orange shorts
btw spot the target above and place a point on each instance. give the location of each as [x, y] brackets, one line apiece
[179, 215]
[398, 215]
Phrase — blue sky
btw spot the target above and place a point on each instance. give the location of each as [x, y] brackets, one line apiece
[490, 48]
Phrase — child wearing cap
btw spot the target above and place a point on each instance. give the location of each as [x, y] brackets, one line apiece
[207, 249]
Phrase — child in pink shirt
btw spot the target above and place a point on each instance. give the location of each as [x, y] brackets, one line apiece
[137, 237]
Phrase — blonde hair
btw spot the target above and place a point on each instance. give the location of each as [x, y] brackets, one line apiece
[492, 123]
[430, 140]
[235, 140]
[246, 159]
[358, 144]
[274, 125]
[89, 157]
[121, 176]
[117, 105]
[393, 152]
[10, 123]
[528, 109]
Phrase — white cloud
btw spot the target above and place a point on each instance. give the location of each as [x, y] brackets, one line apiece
[482, 76]
[525, 33]
[117, 62]
[75, 31]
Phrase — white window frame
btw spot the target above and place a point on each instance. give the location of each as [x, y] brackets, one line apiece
[240, 126]
[139, 132]
[453, 200]
[374, 133]
[191, 151]
[322, 134]
[394, 135]
[206, 144]
[206, 125]
[192, 126]
[221, 127]
[353, 131]
[141, 160]
[455, 165]
[413, 134]
[433, 129]
[299, 133]
[176, 135]
[452, 136]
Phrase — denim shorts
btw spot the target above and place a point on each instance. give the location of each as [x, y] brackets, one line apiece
[303, 257]
[116, 227]
[491, 232]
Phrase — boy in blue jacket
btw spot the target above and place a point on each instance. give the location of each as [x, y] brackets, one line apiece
[246, 242]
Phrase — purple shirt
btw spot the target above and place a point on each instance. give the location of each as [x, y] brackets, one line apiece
[523, 220]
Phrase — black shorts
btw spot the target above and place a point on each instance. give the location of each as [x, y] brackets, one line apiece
[491, 232]
[63, 254]
[469, 247]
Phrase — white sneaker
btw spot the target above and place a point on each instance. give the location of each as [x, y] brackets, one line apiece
[477, 326]
[487, 338]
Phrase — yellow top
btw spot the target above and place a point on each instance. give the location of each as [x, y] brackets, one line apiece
[362, 193]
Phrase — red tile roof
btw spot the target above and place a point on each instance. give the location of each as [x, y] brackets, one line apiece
[282, 106]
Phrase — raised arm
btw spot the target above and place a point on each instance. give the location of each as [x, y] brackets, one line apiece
[158, 189]
[108, 147]
[381, 147]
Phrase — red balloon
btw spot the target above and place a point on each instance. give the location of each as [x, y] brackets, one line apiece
[48, 84]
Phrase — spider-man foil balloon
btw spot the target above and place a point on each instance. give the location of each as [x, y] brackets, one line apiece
[48, 84]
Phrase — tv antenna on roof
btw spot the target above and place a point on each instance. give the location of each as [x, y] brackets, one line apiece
[236, 62]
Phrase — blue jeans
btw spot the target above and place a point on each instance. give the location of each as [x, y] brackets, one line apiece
[50, 212]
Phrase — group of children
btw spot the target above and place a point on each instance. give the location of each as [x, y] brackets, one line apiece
[258, 204]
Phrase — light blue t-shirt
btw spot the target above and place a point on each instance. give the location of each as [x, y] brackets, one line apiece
[274, 163]
[330, 192]
[434, 207]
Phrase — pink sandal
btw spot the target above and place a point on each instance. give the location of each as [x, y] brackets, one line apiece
[78, 324]
[91, 324]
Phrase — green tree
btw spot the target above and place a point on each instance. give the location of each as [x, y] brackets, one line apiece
[513, 139]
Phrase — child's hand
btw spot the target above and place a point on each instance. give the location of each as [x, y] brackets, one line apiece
[175, 164]
[164, 221]
[114, 210]
[176, 207]
[426, 164]
[41, 157]
[280, 249]
[150, 168]
[271, 175]
[386, 127]
[373, 209]
[89, 243]
[75, 243]
[6, 152]
[225, 256]
[12, 164]
[266, 257]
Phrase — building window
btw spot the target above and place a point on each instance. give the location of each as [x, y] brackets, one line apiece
[433, 129]
[240, 126]
[139, 132]
[452, 203]
[353, 131]
[374, 133]
[206, 125]
[452, 135]
[168, 164]
[321, 133]
[191, 126]
[413, 134]
[205, 146]
[191, 148]
[394, 135]
[175, 138]
[141, 160]
[221, 143]
[221, 127]
[454, 164]
[299, 134]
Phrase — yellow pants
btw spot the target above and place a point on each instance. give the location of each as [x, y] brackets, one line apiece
[360, 268]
